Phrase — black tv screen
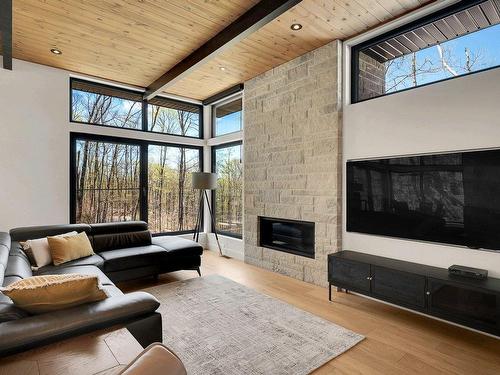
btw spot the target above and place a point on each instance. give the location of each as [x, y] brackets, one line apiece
[449, 198]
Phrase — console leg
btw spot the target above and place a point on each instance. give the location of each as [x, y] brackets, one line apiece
[329, 292]
[199, 272]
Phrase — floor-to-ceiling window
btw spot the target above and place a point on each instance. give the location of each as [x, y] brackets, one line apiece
[227, 162]
[172, 202]
[134, 178]
[228, 202]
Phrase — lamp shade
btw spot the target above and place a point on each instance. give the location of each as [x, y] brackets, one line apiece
[204, 181]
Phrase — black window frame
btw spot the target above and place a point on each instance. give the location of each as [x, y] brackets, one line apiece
[144, 109]
[356, 49]
[214, 115]
[214, 202]
[143, 177]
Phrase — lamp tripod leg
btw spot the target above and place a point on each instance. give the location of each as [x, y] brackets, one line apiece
[196, 233]
[213, 223]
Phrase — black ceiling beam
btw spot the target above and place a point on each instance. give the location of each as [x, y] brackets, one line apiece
[256, 17]
[6, 30]
[230, 91]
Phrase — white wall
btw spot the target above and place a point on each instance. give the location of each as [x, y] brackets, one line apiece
[34, 146]
[458, 114]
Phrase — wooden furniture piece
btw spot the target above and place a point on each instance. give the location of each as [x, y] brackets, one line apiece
[100, 352]
[430, 290]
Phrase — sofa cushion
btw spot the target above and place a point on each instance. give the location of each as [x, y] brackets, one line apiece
[83, 270]
[17, 250]
[18, 266]
[93, 260]
[10, 279]
[118, 227]
[48, 293]
[122, 259]
[179, 247]
[8, 311]
[38, 249]
[67, 248]
[4, 247]
[112, 291]
[28, 233]
[4, 253]
[111, 241]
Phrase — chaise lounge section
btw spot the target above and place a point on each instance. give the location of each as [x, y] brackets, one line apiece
[123, 251]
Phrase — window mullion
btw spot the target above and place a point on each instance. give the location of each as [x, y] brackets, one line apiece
[144, 181]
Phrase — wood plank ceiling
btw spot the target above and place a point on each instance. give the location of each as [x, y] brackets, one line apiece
[135, 42]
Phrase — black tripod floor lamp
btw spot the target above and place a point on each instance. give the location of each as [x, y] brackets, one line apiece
[204, 181]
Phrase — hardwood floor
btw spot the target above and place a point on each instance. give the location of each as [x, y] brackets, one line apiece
[397, 341]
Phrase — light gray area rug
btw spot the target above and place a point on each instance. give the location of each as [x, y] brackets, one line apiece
[217, 326]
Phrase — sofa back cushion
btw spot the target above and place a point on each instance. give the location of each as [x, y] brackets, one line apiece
[113, 241]
[18, 266]
[4, 254]
[29, 233]
[119, 235]
[118, 227]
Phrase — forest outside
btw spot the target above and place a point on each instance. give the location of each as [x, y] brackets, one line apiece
[108, 182]
[172, 202]
[108, 185]
[228, 196]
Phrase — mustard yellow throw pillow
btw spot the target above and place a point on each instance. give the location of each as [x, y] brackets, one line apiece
[64, 249]
[41, 294]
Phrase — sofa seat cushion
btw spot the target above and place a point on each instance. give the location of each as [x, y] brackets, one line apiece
[10, 279]
[83, 270]
[34, 330]
[93, 260]
[133, 257]
[178, 247]
[8, 311]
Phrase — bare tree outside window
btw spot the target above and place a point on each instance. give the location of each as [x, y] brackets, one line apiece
[100, 109]
[464, 54]
[172, 201]
[228, 196]
[107, 182]
[163, 119]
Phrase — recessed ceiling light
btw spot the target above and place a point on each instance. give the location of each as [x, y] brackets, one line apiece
[222, 68]
[56, 51]
[296, 26]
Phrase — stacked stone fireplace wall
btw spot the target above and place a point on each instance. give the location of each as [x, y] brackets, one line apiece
[292, 158]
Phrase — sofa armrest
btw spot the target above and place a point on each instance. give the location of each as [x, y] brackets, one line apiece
[22, 334]
[156, 359]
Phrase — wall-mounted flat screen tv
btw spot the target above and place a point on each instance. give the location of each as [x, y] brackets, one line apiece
[451, 198]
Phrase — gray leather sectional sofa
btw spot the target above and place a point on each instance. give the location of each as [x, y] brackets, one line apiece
[124, 251]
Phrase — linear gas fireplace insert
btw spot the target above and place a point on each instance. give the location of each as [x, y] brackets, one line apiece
[291, 236]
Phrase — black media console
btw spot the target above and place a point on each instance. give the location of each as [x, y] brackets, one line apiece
[430, 290]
